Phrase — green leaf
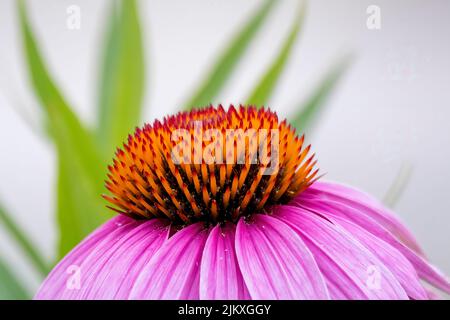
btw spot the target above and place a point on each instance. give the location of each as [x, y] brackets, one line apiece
[64, 125]
[10, 286]
[75, 146]
[308, 111]
[79, 208]
[225, 65]
[23, 242]
[122, 77]
[399, 184]
[264, 89]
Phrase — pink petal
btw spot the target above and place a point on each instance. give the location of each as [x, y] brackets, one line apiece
[424, 269]
[113, 275]
[389, 256]
[174, 271]
[345, 262]
[366, 205]
[220, 276]
[84, 258]
[275, 263]
[55, 283]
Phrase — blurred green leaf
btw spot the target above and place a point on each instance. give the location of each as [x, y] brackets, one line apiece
[308, 111]
[79, 208]
[63, 124]
[399, 185]
[225, 65]
[74, 145]
[23, 242]
[264, 89]
[10, 286]
[122, 77]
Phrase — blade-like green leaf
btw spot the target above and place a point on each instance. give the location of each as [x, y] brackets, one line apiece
[64, 125]
[309, 110]
[398, 186]
[79, 208]
[264, 89]
[10, 286]
[225, 65]
[75, 146]
[23, 242]
[122, 77]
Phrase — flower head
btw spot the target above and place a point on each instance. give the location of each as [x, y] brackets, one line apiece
[209, 165]
[224, 204]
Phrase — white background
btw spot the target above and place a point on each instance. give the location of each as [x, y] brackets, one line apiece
[392, 107]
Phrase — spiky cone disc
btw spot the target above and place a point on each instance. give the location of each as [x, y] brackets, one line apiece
[217, 170]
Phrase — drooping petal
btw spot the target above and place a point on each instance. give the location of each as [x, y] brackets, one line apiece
[423, 268]
[345, 262]
[174, 271]
[55, 284]
[275, 263]
[220, 276]
[389, 256]
[114, 274]
[366, 204]
[78, 273]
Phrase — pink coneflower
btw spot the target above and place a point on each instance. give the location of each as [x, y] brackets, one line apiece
[190, 229]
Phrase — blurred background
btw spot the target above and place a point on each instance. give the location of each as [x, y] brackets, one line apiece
[383, 128]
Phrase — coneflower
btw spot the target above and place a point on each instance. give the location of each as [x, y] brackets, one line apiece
[224, 204]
